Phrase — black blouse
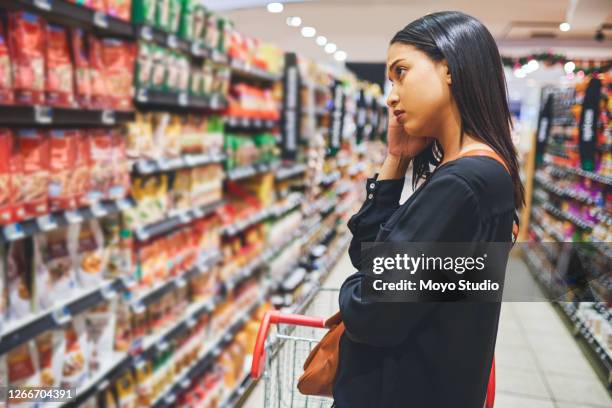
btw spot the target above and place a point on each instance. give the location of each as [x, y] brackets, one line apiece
[423, 355]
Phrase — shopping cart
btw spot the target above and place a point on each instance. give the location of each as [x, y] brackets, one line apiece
[280, 359]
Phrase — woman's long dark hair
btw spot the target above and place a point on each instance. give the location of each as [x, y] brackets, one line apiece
[478, 85]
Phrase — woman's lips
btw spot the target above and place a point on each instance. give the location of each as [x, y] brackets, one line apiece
[399, 115]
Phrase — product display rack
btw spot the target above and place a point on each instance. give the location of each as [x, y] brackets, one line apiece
[570, 215]
[50, 116]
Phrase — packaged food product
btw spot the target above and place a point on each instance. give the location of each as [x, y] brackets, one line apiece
[181, 197]
[101, 155]
[126, 391]
[111, 229]
[54, 268]
[59, 80]
[34, 150]
[100, 325]
[144, 65]
[160, 67]
[81, 176]
[144, 12]
[187, 23]
[89, 253]
[144, 388]
[50, 346]
[119, 8]
[120, 183]
[98, 5]
[99, 88]
[162, 15]
[3, 294]
[23, 369]
[74, 368]
[198, 21]
[174, 21]
[62, 156]
[19, 278]
[118, 57]
[26, 47]
[6, 199]
[82, 72]
[123, 326]
[6, 73]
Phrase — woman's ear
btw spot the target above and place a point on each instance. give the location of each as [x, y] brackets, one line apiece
[447, 73]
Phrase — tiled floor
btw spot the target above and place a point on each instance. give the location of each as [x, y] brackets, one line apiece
[539, 364]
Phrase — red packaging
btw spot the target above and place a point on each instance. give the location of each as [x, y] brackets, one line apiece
[6, 79]
[98, 5]
[26, 47]
[101, 153]
[6, 149]
[59, 84]
[121, 9]
[82, 74]
[99, 88]
[34, 149]
[62, 156]
[80, 179]
[17, 183]
[119, 60]
[120, 184]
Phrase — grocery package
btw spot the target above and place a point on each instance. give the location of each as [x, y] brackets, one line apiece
[80, 178]
[55, 270]
[6, 196]
[74, 368]
[6, 72]
[101, 159]
[118, 59]
[144, 11]
[121, 9]
[26, 48]
[62, 160]
[120, 183]
[19, 278]
[82, 73]
[100, 94]
[100, 328]
[59, 71]
[50, 346]
[34, 183]
[88, 252]
[249, 101]
[23, 366]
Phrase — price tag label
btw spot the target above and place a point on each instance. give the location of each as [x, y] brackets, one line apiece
[98, 209]
[73, 217]
[245, 122]
[61, 316]
[142, 95]
[13, 232]
[100, 19]
[214, 101]
[124, 204]
[257, 122]
[146, 33]
[183, 99]
[180, 282]
[184, 218]
[145, 167]
[43, 4]
[108, 117]
[142, 234]
[198, 213]
[43, 114]
[172, 41]
[46, 223]
[163, 164]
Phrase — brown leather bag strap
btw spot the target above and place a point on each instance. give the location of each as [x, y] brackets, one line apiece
[496, 157]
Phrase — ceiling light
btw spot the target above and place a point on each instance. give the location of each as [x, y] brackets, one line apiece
[340, 56]
[533, 65]
[308, 32]
[330, 48]
[294, 21]
[565, 26]
[275, 7]
[569, 67]
[520, 73]
[321, 40]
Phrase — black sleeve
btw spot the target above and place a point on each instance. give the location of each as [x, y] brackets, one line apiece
[445, 211]
[382, 199]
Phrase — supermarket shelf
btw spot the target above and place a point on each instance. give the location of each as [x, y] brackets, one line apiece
[41, 115]
[583, 173]
[286, 172]
[262, 215]
[244, 71]
[244, 123]
[59, 219]
[183, 100]
[24, 330]
[580, 223]
[144, 167]
[563, 192]
[316, 86]
[174, 221]
[67, 13]
[238, 392]
[244, 172]
[168, 398]
[330, 178]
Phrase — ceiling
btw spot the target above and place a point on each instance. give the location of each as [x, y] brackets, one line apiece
[363, 28]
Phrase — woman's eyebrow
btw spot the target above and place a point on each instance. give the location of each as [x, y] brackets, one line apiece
[394, 63]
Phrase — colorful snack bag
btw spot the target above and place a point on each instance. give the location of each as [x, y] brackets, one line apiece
[118, 57]
[120, 184]
[100, 325]
[26, 47]
[101, 154]
[82, 72]
[6, 149]
[50, 346]
[122, 9]
[17, 186]
[55, 271]
[62, 157]
[144, 66]
[59, 80]
[6, 74]
[74, 368]
[123, 326]
[89, 254]
[34, 149]
[23, 371]
[111, 228]
[80, 177]
[19, 279]
[144, 12]
[99, 87]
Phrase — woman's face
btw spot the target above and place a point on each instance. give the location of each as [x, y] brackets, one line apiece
[420, 97]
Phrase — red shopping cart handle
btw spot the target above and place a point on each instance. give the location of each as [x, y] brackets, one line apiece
[276, 317]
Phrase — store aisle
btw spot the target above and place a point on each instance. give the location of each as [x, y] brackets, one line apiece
[539, 364]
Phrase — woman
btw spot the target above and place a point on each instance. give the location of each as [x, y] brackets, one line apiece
[448, 98]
